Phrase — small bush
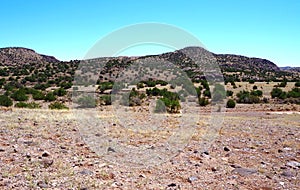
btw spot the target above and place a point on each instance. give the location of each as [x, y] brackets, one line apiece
[251, 81]
[256, 93]
[282, 84]
[254, 87]
[106, 99]
[278, 93]
[31, 105]
[203, 101]
[60, 92]
[5, 101]
[19, 95]
[38, 95]
[57, 105]
[230, 103]
[50, 97]
[229, 93]
[297, 84]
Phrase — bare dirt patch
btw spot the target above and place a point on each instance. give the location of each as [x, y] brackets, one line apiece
[254, 150]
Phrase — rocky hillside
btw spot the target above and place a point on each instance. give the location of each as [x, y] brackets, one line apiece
[19, 56]
[234, 67]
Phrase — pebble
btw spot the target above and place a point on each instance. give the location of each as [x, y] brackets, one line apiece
[47, 162]
[172, 185]
[42, 184]
[293, 164]
[86, 172]
[192, 179]
[287, 173]
[45, 154]
[244, 171]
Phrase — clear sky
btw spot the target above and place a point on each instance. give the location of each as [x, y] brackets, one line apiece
[67, 29]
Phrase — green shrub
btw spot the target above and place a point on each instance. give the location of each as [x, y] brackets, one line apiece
[57, 105]
[229, 93]
[5, 101]
[40, 86]
[105, 86]
[256, 93]
[50, 97]
[19, 95]
[203, 101]
[278, 93]
[251, 81]
[31, 105]
[294, 93]
[297, 84]
[282, 84]
[38, 95]
[60, 92]
[106, 99]
[207, 93]
[230, 103]
[246, 98]
[254, 87]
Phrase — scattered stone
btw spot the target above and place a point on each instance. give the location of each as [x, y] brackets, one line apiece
[47, 162]
[2, 150]
[265, 188]
[86, 172]
[287, 173]
[45, 154]
[293, 164]
[192, 179]
[214, 169]
[226, 149]
[42, 184]
[28, 142]
[63, 147]
[110, 149]
[244, 171]
[172, 185]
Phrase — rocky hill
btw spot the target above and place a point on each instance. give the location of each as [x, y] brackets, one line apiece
[19, 56]
[234, 67]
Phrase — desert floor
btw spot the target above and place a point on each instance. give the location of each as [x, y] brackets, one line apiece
[257, 147]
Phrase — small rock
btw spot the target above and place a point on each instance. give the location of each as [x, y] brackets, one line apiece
[110, 149]
[63, 147]
[172, 185]
[192, 178]
[47, 162]
[42, 184]
[293, 164]
[45, 154]
[287, 173]
[2, 150]
[214, 169]
[226, 149]
[86, 172]
[244, 171]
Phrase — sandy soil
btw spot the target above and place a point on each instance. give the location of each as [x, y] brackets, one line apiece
[256, 149]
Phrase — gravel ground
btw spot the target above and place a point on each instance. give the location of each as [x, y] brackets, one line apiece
[257, 149]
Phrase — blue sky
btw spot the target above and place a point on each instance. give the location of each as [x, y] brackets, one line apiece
[68, 29]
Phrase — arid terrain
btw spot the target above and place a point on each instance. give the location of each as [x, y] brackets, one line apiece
[150, 122]
[255, 149]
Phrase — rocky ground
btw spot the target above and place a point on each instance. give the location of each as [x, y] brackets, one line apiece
[256, 149]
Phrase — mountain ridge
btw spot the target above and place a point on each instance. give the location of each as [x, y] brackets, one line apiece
[233, 67]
